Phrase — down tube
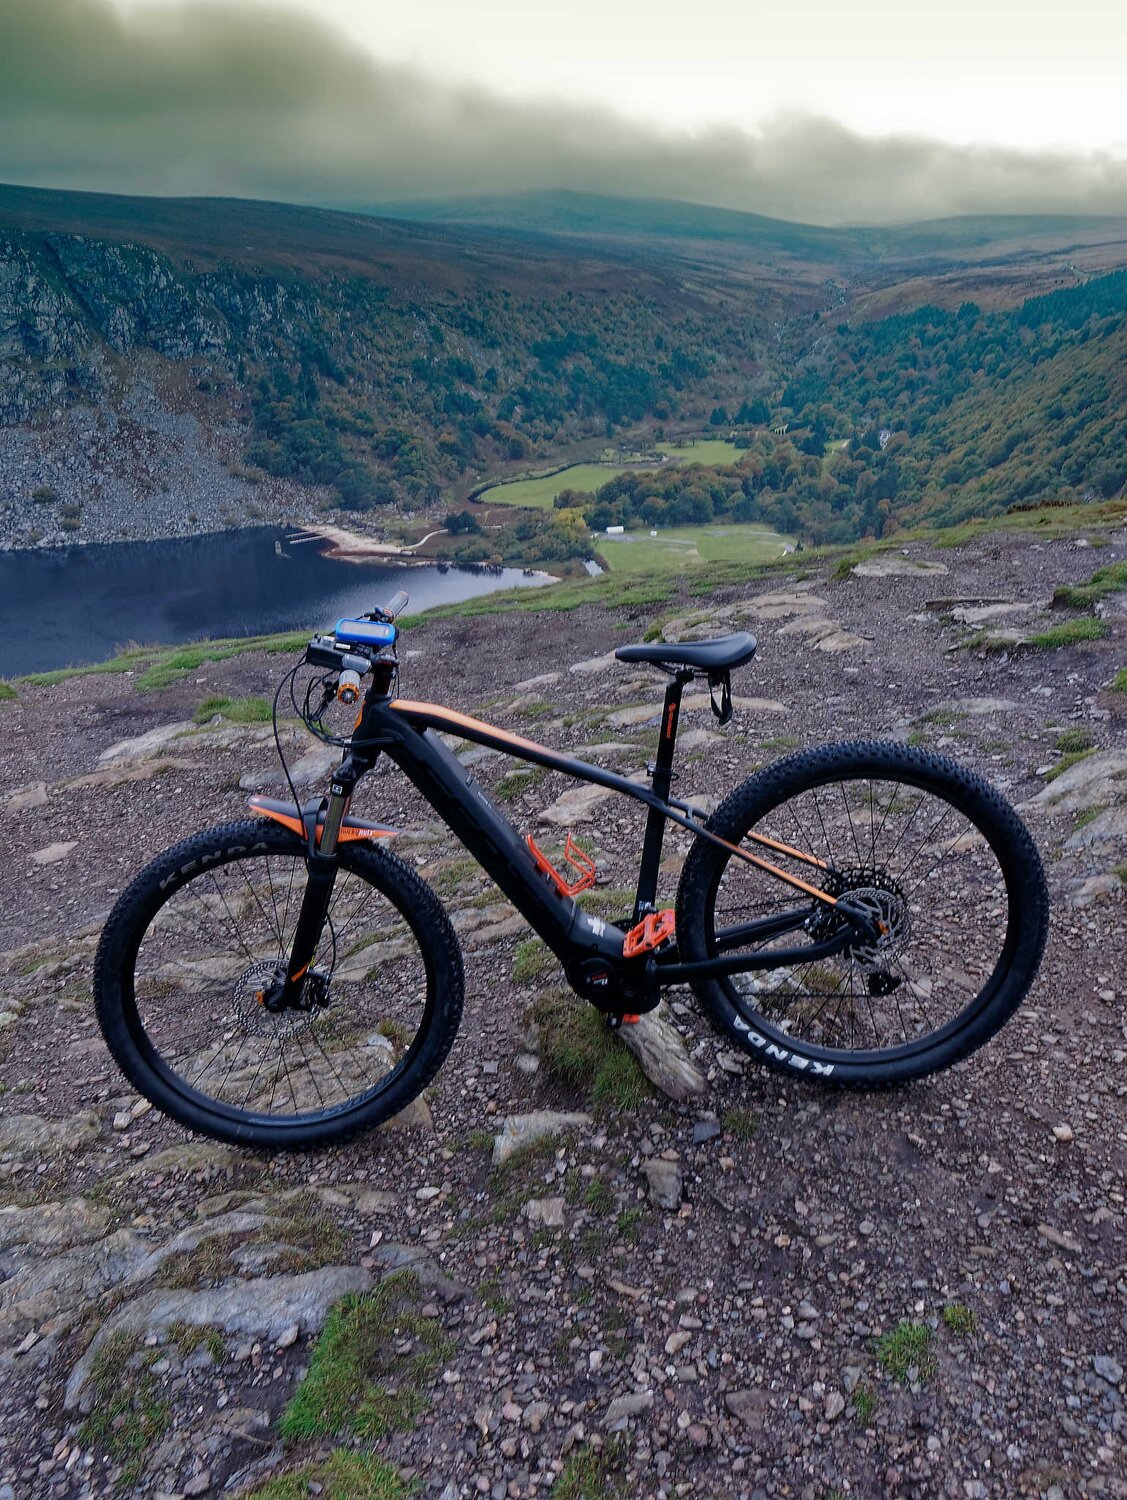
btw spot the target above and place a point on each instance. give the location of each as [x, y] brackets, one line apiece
[472, 817]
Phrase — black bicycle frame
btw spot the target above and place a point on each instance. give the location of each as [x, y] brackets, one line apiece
[589, 948]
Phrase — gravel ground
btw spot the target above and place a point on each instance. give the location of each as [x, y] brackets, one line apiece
[706, 1326]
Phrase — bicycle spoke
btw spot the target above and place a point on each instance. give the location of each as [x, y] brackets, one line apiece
[907, 855]
[220, 944]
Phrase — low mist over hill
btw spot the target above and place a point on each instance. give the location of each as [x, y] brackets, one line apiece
[872, 377]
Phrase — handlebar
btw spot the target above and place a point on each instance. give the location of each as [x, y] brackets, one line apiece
[355, 643]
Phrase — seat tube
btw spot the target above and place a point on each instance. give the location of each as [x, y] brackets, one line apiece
[661, 773]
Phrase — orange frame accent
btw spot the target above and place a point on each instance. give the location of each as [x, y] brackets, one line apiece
[466, 721]
[347, 835]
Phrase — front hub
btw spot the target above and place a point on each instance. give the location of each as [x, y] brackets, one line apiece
[311, 993]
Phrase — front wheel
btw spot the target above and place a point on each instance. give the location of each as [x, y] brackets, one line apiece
[930, 851]
[189, 953]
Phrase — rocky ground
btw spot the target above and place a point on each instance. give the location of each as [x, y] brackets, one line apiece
[764, 1291]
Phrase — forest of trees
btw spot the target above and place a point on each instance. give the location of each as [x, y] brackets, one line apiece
[932, 415]
[951, 414]
[391, 403]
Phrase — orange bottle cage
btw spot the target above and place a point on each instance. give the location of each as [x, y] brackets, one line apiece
[576, 858]
[655, 928]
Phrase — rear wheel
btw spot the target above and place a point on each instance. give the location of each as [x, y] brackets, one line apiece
[931, 851]
[190, 950]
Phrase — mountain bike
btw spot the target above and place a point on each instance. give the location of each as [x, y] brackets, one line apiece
[859, 914]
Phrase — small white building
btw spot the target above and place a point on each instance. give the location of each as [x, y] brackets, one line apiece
[615, 530]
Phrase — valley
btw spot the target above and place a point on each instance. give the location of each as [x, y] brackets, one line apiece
[172, 368]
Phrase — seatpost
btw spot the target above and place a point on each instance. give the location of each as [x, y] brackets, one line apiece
[661, 773]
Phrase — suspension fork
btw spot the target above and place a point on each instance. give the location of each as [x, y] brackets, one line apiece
[322, 864]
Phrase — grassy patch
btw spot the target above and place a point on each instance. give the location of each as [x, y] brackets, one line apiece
[188, 1338]
[864, 1404]
[517, 782]
[312, 1236]
[341, 1476]
[628, 1225]
[212, 1260]
[1069, 633]
[531, 960]
[576, 1046]
[158, 666]
[1103, 583]
[676, 549]
[904, 1349]
[493, 1297]
[1088, 815]
[7, 692]
[540, 493]
[1065, 761]
[128, 1416]
[367, 1369]
[170, 666]
[591, 1474]
[248, 710]
[740, 1123]
[1072, 741]
[454, 874]
[780, 742]
[597, 1196]
[127, 661]
[1119, 681]
[959, 1319]
[608, 902]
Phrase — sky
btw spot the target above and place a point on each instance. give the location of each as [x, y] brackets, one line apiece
[863, 112]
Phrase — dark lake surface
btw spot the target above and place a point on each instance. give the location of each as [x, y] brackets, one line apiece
[66, 607]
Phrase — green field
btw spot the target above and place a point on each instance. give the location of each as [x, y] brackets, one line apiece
[539, 494]
[703, 451]
[683, 547]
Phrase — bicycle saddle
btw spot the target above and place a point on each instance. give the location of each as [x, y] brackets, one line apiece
[717, 655]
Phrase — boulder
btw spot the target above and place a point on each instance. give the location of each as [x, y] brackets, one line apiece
[144, 746]
[261, 1307]
[897, 565]
[521, 1130]
[663, 1179]
[663, 1056]
[1095, 781]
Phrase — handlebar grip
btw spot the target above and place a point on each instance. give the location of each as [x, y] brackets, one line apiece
[396, 604]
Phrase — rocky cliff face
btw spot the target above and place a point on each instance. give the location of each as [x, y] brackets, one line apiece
[46, 352]
[120, 414]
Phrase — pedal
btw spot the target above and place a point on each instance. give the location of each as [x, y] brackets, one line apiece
[655, 928]
[575, 857]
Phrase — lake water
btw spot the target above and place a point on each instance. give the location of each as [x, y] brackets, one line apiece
[66, 607]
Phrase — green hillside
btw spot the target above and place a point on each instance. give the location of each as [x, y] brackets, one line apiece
[389, 361]
[404, 365]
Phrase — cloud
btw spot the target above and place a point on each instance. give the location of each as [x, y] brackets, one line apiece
[265, 102]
